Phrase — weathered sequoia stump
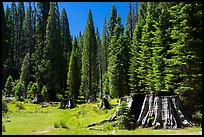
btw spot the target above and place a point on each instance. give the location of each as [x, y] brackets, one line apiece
[163, 112]
[105, 104]
[67, 103]
[37, 99]
[156, 111]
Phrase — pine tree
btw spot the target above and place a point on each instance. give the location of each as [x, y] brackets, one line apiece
[80, 48]
[88, 78]
[5, 46]
[112, 21]
[99, 63]
[20, 36]
[104, 52]
[25, 73]
[160, 45]
[8, 48]
[28, 43]
[116, 69]
[37, 55]
[8, 87]
[66, 40]
[146, 63]
[14, 27]
[130, 21]
[43, 10]
[135, 49]
[73, 76]
[184, 62]
[53, 51]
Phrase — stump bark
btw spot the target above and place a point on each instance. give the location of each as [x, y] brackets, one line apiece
[67, 103]
[105, 104]
[163, 112]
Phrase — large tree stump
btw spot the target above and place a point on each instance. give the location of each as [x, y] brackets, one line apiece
[163, 112]
[105, 104]
[67, 103]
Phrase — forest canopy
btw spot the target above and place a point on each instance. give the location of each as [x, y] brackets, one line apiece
[158, 49]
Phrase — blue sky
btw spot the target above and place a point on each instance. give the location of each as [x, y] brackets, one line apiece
[77, 13]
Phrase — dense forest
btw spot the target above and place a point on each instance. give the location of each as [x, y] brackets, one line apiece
[158, 49]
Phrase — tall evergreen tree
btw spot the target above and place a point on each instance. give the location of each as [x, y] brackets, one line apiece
[145, 62]
[104, 52]
[99, 63]
[14, 17]
[88, 78]
[4, 45]
[116, 69]
[73, 75]
[25, 73]
[37, 55]
[135, 49]
[66, 40]
[53, 50]
[28, 43]
[160, 45]
[43, 10]
[130, 21]
[20, 36]
[184, 62]
[112, 21]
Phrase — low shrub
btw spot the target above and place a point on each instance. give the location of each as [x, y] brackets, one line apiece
[4, 107]
[3, 128]
[20, 106]
[63, 124]
[56, 125]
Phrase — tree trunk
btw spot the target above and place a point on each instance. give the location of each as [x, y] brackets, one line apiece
[163, 112]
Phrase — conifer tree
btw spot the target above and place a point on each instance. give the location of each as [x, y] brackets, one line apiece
[37, 55]
[99, 63]
[135, 49]
[145, 56]
[14, 27]
[8, 86]
[66, 40]
[112, 21]
[88, 78]
[20, 36]
[28, 42]
[160, 45]
[116, 69]
[104, 52]
[7, 47]
[53, 51]
[184, 62]
[25, 73]
[73, 75]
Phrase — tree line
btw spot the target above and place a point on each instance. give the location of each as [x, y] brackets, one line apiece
[158, 49]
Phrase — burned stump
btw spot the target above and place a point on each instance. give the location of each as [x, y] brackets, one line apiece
[105, 104]
[163, 112]
[37, 99]
[154, 110]
[67, 103]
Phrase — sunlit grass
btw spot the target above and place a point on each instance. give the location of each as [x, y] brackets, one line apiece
[35, 119]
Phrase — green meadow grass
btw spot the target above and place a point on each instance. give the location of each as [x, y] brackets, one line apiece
[36, 120]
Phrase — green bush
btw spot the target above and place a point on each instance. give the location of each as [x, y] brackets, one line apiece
[20, 106]
[3, 128]
[8, 86]
[56, 125]
[4, 107]
[45, 92]
[125, 120]
[63, 124]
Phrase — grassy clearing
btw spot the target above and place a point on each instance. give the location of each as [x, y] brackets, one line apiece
[36, 120]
